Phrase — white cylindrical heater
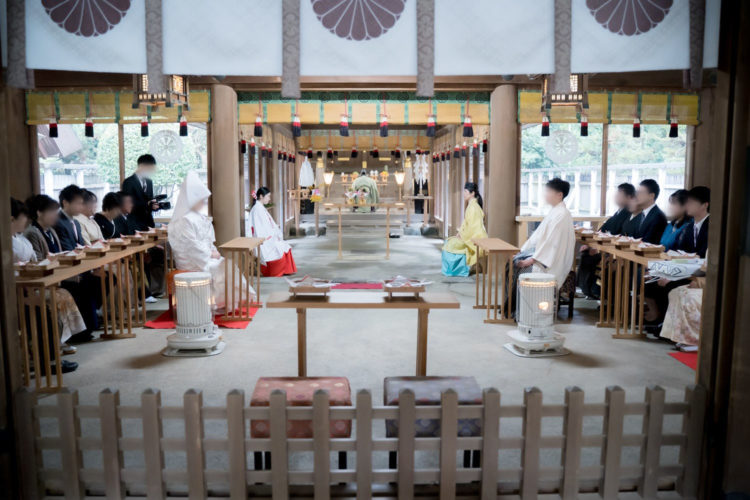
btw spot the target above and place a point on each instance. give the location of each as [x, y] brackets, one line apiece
[536, 305]
[196, 333]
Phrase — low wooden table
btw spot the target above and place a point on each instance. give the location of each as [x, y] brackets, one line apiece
[241, 260]
[498, 268]
[35, 294]
[362, 300]
[388, 207]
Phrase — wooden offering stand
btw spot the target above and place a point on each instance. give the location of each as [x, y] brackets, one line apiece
[95, 253]
[118, 245]
[33, 270]
[309, 290]
[69, 260]
[654, 251]
[413, 290]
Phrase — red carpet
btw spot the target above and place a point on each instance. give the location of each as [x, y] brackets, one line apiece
[686, 358]
[165, 322]
[358, 286]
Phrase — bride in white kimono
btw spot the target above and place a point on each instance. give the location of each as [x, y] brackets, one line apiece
[191, 237]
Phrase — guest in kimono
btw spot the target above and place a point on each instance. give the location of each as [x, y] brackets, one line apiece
[551, 248]
[89, 228]
[44, 241]
[682, 323]
[191, 237]
[671, 239]
[459, 252]
[106, 218]
[275, 253]
[19, 219]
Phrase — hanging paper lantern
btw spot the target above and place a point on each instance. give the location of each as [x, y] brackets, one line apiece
[484, 145]
[354, 152]
[384, 126]
[344, 126]
[144, 127]
[252, 146]
[545, 126]
[88, 127]
[53, 128]
[457, 151]
[243, 146]
[296, 126]
[584, 126]
[636, 127]
[468, 129]
[431, 126]
[673, 128]
[258, 129]
[329, 154]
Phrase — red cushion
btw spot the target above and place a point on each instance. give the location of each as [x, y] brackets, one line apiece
[299, 392]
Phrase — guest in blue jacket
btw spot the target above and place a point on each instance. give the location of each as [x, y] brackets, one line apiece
[678, 220]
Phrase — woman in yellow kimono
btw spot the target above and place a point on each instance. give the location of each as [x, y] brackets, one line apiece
[459, 252]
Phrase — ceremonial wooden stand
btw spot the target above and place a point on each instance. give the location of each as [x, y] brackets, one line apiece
[497, 274]
[388, 207]
[241, 261]
[425, 208]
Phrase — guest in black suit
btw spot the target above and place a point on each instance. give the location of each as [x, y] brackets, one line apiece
[590, 257]
[86, 287]
[140, 187]
[653, 220]
[67, 228]
[695, 236]
[125, 224]
[110, 212]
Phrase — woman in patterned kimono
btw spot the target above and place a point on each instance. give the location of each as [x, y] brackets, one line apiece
[459, 252]
[682, 323]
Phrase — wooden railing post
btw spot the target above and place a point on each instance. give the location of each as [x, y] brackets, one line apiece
[612, 447]
[572, 429]
[653, 422]
[532, 430]
[490, 442]
[236, 435]
[111, 432]
[364, 444]
[322, 445]
[448, 435]
[692, 427]
[194, 432]
[279, 458]
[70, 453]
[152, 451]
[23, 413]
[407, 416]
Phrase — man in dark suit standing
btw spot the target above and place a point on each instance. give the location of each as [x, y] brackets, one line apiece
[652, 220]
[590, 257]
[85, 288]
[67, 228]
[695, 236]
[140, 187]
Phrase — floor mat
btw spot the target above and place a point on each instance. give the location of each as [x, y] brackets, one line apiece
[166, 322]
[358, 286]
[686, 358]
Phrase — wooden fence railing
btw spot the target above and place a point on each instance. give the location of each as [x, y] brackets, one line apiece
[110, 449]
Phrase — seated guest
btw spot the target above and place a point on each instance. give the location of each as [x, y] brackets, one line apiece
[40, 235]
[125, 225]
[67, 227]
[19, 219]
[632, 225]
[275, 253]
[191, 237]
[682, 322]
[459, 252]
[551, 248]
[697, 205]
[106, 218]
[678, 220]
[652, 219]
[590, 257]
[140, 187]
[89, 228]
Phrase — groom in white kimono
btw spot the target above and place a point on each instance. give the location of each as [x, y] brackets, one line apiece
[551, 248]
[191, 237]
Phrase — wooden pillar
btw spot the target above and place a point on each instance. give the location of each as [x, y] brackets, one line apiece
[501, 203]
[702, 142]
[21, 141]
[225, 179]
